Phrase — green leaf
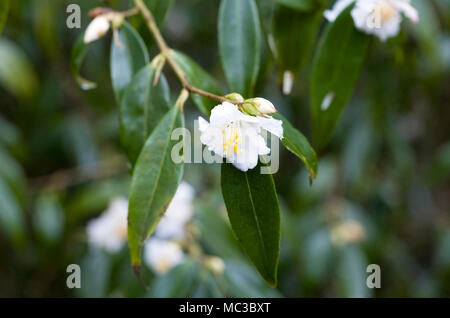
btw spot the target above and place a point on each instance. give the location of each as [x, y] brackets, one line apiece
[126, 60]
[155, 180]
[297, 143]
[294, 34]
[240, 44]
[11, 218]
[79, 51]
[48, 219]
[336, 69]
[4, 11]
[199, 78]
[301, 5]
[159, 9]
[142, 107]
[17, 74]
[254, 214]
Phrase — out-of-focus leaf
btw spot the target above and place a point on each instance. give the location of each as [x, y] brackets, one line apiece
[242, 281]
[199, 78]
[4, 11]
[91, 199]
[178, 282]
[254, 213]
[141, 109]
[294, 33]
[240, 44]
[17, 75]
[127, 59]
[216, 234]
[95, 274]
[48, 219]
[79, 51]
[336, 69]
[295, 142]
[317, 253]
[155, 180]
[428, 33]
[80, 143]
[440, 168]
[11, 217]
[351, 272]
[12, 173]
[301, 5]
[159, 9]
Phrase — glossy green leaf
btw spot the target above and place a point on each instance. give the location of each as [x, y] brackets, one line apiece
[294, 34]
[297, 143]
[79, 51]
[127, 58]
[4, 11]
[254, 213]
[199, 78]
[240, 44]
[301, 5]
[155, 180]
[17, 74]
[336, 69]
[142, 107]
[11, 218]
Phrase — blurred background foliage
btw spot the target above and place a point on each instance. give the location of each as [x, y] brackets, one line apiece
[382, 194]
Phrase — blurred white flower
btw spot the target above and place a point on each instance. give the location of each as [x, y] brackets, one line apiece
[236, 136]
[347, 232]
[379, 17]
[96, 29]
[179, 212]
[109, 231]
[215, 264]
[162, 255]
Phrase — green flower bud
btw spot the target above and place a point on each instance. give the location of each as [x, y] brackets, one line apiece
[250, 108]
[235, 97]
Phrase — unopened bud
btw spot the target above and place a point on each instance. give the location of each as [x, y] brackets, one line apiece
[96, 29]
[262, 105]
[250, 108]
[117, 20]
[235, 97]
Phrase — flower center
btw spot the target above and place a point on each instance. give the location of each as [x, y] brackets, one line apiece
[121, 231]
[232, 139]
[386, 11]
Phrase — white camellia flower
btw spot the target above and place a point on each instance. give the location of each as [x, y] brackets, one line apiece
[237, 136]
[379, 17]
[96, 29]
[109, 231]
[161, 255]
[178, 213]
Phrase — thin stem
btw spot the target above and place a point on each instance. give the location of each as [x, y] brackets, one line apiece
[165, 51]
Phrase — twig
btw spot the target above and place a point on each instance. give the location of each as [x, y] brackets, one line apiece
[165, 51]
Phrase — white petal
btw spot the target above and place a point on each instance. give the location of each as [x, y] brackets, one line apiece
[96, 29]
[408, 10]
[339, 6]
[162, 255]
[224, 114]
[272, 125]
[202, 124]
